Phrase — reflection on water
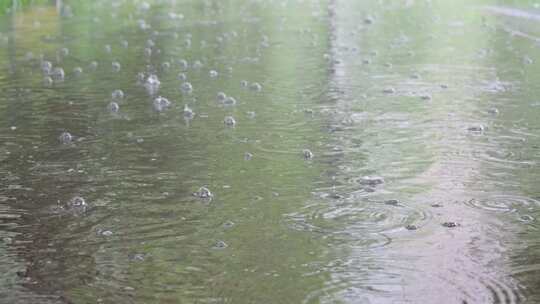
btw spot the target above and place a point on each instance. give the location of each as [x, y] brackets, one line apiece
[269, 152]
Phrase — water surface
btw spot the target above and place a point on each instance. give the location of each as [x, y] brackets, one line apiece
[420, 183]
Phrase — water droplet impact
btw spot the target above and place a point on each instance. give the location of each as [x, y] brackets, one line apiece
[181, 77]
[65, 138]
[221, 97]
[389, 90]
[371, 180]
[188, 113]
[58, 74]
[161, 104]
[203, 193]
[229, 101]
[186, 87]
[449, 224]
[307, 154]
[113, 107]
[116, 67]
[77, 71]
[220, 245]
[229, 121]
[256, 87]
[117, 95]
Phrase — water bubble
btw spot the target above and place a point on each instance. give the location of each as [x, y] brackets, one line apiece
[220, 245]
[213, 74]
[140, 77]
[47, 81]
[107, 48]
[165, 66]
[426, 97]
[181, 77]
[188, 113]
[228, 224]
[65, 138]
[256, 86]
[251, 114]
[411, 227]
[76, 205]
[392, 202]
[113, 107]
[197, 64]
[244, 83]
[147, 52]
[307, 154]
[161, 103]
[46, 67]
[450, 224]
[371, 180]
[152, 84]
[493, 111]
[117, 95]
[203, 193]
[221, 96]
[229, 121]
[116, 66]
[389, 90]
[369, 20]
[106, 233]
[77, 71]
[183, 64]
[63, 52]
[248, 156]
[124, 44]
[93, 65]
[58, 74]
[476, 128]
[186, 87]
[229, 101]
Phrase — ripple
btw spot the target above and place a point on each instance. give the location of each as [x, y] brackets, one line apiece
[504, 203]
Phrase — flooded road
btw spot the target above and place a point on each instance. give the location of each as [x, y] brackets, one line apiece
[253, 151]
